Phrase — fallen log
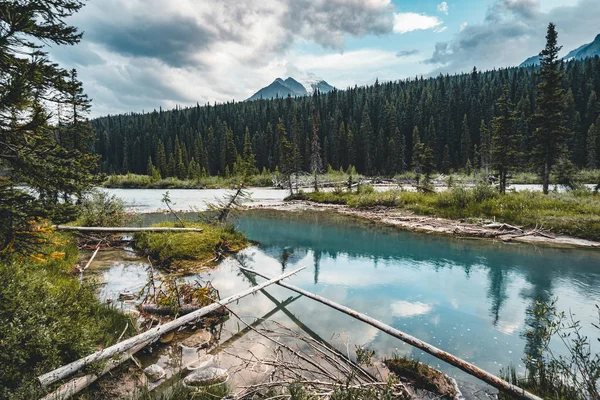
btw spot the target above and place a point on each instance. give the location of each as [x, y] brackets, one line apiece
[151, 334]
[469, 368]
[76, 385]
[124, 229]
[183, 310]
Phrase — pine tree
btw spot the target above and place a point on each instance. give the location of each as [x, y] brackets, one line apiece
[446, 162]
[32, 153]
[417, 151]
[228, 151]
[485, 146]
[315, 152]
[161, 158]
[249, 158]
[288, 155]
[504, 140]
[465, 141]
[592, 162]
[551, 134]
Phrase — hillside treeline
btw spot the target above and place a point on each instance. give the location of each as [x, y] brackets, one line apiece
[378, 129]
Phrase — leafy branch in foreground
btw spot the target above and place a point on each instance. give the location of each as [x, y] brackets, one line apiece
[574, 375]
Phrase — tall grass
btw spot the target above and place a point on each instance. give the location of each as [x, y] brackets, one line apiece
[49, 318]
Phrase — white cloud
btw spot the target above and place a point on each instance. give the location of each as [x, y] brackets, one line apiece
[463, 26]
[408, 22]
[440, 29]
[443, 7]
[407, 309]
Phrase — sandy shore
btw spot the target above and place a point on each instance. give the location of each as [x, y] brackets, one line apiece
[472, 229]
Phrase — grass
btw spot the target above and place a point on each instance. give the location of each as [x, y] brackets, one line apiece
[133, 181]
[575, 213]
[186, 250]
[49, 318]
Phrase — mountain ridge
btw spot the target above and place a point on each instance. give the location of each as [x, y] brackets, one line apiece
[584, 51]
[291, 87]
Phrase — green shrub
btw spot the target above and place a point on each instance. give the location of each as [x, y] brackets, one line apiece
[49, 318]
[101, 209]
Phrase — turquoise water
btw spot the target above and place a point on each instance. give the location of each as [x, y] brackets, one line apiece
[467, 297]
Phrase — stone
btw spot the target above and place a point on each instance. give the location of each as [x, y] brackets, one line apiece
[206, 377]
[154, 372]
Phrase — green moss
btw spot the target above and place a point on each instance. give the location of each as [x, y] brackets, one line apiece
[422, 376]
[49, 318]
[187, 250]
[575, 213]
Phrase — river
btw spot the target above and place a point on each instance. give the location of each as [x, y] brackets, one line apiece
[468, 297]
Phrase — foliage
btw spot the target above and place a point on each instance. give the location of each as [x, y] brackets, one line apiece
[551, 133]
[102, 209]
[186, 250]
[575, 213]
[573, 376]
[51, 157]
[370, 127]
[49, 318]
[504, 139]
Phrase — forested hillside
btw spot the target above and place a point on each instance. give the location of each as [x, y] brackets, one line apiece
[381, 129]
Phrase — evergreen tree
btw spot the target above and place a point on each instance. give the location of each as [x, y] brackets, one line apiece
[551, 133]
[504, 140]
[417, 151]
[32, 153]
[288, 155]
[592, 161]
[228, 151]
[446, 162]
[249, 157]
[161, 158]
[485, 146]
[465, 141]
[315, 157]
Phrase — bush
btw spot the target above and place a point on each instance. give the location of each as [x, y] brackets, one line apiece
[48, 317]
[101, 209]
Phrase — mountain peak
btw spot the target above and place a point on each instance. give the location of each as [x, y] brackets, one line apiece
[292, 87]
[587, 50]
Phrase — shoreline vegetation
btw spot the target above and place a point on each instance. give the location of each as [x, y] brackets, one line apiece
[476, 212]
[330, 178]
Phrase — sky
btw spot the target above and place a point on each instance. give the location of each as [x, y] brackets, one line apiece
[139, 55]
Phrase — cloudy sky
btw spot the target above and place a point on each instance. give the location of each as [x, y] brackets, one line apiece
[138, 55]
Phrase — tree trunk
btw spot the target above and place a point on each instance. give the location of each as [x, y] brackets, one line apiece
[546, 177]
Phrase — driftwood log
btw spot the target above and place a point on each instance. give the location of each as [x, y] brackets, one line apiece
[183, 310]
[151, 334]
[76, 385]
[123, 229]
[469, 368]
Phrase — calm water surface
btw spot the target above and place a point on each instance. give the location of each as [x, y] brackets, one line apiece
[468, 297]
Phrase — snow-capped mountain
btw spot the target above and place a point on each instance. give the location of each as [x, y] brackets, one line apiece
[585, 51]
[291, 87]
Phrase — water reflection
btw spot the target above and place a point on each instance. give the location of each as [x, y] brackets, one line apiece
[465, 296]
[469, 297]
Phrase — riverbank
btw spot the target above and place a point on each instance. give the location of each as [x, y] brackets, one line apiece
[475, 229]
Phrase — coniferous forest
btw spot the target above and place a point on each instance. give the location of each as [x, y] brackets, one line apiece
[384, 129]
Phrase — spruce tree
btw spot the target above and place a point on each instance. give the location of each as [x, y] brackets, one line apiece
[592, 161]
[485, 146]
[315, 152]
[288, 156]
[504, 139]
[551, 132]
[417, 151]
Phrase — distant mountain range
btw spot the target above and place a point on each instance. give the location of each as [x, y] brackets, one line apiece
[585, 51]
[280, 88]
